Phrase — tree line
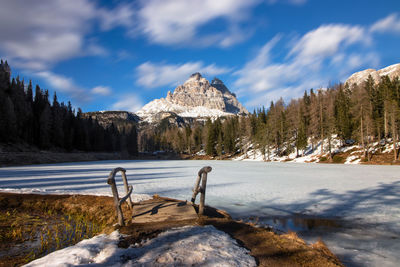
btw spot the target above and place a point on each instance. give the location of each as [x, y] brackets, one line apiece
[358, 113]
[27, 116]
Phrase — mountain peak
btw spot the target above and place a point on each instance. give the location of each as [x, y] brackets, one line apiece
[196, 98]
[196, 75]
[357, 78]
[218, 84]
[216, 81]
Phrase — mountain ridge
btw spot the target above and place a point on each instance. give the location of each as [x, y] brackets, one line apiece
[196, 97]
[359, 77]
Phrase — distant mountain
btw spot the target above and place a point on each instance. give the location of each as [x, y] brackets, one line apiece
[120, 119]
[196, 98]
[392, 71]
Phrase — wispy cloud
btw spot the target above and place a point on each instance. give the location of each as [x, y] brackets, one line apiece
[123, 15]
[178, 21]
[326, 40]
[312, 61]
[129, 102]
[68, 86]
[64, 84]
[101, 90]
[151, 75]
[292, 2]
[35, 36]
[390, 24]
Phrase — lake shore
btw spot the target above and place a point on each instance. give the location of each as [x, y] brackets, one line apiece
[13, 158]
[44, 211]
[364, 199]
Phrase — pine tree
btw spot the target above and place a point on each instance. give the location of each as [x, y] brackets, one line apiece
[211, 138]
[342, 113]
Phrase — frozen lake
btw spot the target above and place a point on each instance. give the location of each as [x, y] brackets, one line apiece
[355, 209]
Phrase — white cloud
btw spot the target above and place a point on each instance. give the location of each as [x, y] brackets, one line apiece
[389, 24]
[122, 15]
[66, 85]
[130, 102]
[178, 21]
[293, 2]
[96, 50]
[43, 48]
[326, 40]
[47, 31]
[151, 75]
[101, 90]
[318, 57]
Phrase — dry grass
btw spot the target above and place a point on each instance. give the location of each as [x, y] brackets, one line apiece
[34, 225]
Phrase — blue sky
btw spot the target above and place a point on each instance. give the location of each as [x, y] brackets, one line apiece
[119, 55]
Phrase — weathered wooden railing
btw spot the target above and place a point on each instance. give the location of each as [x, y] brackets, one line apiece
[128, 190]
[201, 176]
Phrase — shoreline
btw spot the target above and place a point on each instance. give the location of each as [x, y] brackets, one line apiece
[267, 247]
[15, 159]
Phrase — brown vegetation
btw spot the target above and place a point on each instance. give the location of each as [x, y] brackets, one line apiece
[28, 217]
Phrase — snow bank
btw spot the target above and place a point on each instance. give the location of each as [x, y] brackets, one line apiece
[188, 246]
[134, 197]
[309, 154]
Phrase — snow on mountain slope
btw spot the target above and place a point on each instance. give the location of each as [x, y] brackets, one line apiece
[195, 98]
[392, 71]
[149, 111]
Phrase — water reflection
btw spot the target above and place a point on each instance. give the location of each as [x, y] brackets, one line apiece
[297, 223]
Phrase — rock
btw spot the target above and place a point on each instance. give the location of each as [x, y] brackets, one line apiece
[357, 78]
[120, 119]
[196, 98]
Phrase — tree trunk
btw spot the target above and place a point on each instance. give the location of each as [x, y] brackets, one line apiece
[362, 131]
[394, 139]
[385, 122]
[366, 152]
[330, 147]
[322, 129]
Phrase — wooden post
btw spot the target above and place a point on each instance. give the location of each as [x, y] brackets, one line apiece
[196, 188]
[111, 181]
[118, 202]
[130, 204]
[201, 176]
[203, 193]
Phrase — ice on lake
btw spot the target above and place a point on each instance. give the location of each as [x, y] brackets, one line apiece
[362, 202]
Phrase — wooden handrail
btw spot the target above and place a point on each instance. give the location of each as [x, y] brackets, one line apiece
[201, 176]
[128, 190]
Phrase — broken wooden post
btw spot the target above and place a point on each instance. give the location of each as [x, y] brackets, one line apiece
[128, 188]
[201, 176]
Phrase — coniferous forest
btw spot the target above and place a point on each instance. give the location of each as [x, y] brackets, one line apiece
[356, 114]
[27, 116]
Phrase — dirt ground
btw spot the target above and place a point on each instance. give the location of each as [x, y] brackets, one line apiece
[97, 214]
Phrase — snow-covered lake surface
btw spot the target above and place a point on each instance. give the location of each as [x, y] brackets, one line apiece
[355, 209]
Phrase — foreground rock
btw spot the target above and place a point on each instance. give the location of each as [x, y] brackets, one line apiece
[268, 248]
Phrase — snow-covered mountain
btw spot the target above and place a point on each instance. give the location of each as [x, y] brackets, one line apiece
[359, 77]
[196, 98]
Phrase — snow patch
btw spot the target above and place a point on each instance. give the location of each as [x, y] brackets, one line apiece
[134, 197]
[183, 246]
[156, 106]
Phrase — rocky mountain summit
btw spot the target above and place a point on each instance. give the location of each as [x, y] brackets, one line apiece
[196, 98]
[392, 71]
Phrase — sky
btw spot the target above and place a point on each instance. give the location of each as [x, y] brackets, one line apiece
[120, 55]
